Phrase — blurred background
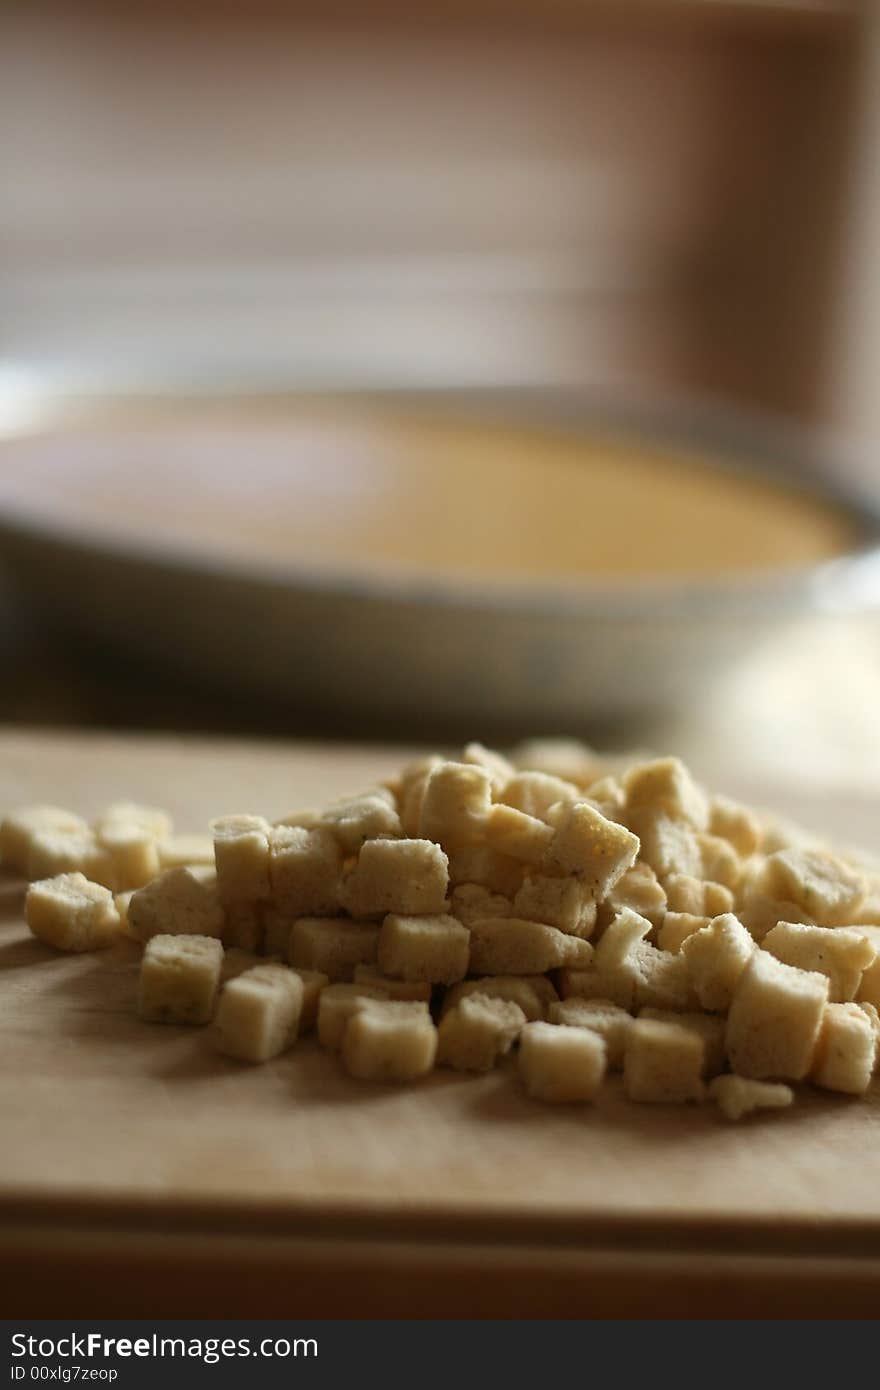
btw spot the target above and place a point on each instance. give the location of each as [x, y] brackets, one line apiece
[663, 214]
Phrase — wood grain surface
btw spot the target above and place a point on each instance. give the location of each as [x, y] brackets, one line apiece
[139, 1170]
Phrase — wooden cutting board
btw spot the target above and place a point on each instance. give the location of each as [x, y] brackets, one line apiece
[142, 1174]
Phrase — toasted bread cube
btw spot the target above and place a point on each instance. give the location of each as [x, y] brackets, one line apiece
[619, 939]
[433, 949]
[419, 990]
[176, 851]
[696, 896]
[561, 1065]
[669, 845]
[19, 827]
[499, 768]
[402, 876]
[411, 795]
[737, 1096]
[663, 1063]
[594, 849]
[133, 853]
[846, 1050]
[602, 1016]
[843, 955]
[236, 961]
[827, 888]
[456, 804]
[665, 784]
[560, 902]
[277, 927]
[608, 796]
[774, 1020]
[719, 861]
[535, 792]
[241, 854]
[150, 819]
[514, 946]
[472, 900]
[709, 1028]
[179, 978]
[716, 957]
[734, 823]
[567, 758]
[759, 913]
[661, 978]
[389, 1041]
[640, 890]
[371, 816]
[477, 1031]
[869, 987]
[336, 1005]
[72, 914]
[122, 901]
[478, 864]
[314, 982]
[178, 901]
[514, 833]
[617, 986]
[244, 926]
[258, 1013]
[305, 868]
[332, 945]
[306, 819]
[677, 927]
[532, 994]
[51, 853]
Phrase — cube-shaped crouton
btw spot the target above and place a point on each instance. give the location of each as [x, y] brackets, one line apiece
[735, 823]
[456, 804]
[709, 1028]
[663, 1063]
[720, 862]
[150, 819]
[699, 897]
[829, 890]
[179, 978]
[609, 1020]
[471, 900]
[565, 903]
[244, 926]
[846, 1050]
[411, 793]
[371, 816]
[607, 795]
[737, 1096]
[404, 876]
[176, 851]
[716, 957]
[840, 954]
[477, 1031]
[389, 1041]
[336, 1005]
[661, 978]
[434, 949]
[677, 927]
[617, 986]
[561, 1065]
[514, 946]
[527, 992]
[332, 945]
[596, 850]
[869, 988]
[314, 982]
[516, 834]
[499, 768]
[241, 853]
[620, 938]
[277, 927]
[52, 852]
[670, 846]
[759, 913]
[258, 1013]
[664, 784]
[478, 864]
[134, 854]
[535, 792]
[236, 961]
[560, 757]
[178, 901]
[305, 867]
[20, 826]
[72, 914]
[640, 890]
[393, 989]
[774, 1020]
